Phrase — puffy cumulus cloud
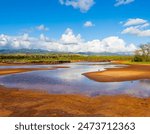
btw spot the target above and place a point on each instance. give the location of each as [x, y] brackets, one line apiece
[83, 5]
[110, 44]
[136, 21]
[69, 38]
[44, 38]
[88, 24]
[68, 42]
[137, 27]
[23, 41]
[3, 40]
[123, 2]
[42, 28]
[14, 41]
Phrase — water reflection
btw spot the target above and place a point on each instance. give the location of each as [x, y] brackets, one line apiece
[70, 81]
[147, 82]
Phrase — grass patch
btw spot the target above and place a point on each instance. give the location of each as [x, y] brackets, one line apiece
[136, 63]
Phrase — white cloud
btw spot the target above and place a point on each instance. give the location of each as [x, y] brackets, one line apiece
[42, 28]
[123, 2]
[69, 38]
[3, 40]
[88, 24]
[44, 38]
[68, 42]
[83, 5]
[137, 27]
[137, 21]
[145, 25]
[136, 31]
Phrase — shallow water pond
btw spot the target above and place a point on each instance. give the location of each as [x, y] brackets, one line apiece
[71, 81]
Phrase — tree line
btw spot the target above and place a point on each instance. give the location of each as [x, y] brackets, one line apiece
[142, 54]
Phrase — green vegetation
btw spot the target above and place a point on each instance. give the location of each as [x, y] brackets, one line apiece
[143, 54]
[57, 58]
[135, 63]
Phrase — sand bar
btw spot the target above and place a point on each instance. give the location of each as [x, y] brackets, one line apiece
[21, 70]
[129, 73]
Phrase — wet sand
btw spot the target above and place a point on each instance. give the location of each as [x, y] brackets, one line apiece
[20, 103]
[21, 70]
[129, 73]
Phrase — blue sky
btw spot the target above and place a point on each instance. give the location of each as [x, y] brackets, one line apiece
[51, 18]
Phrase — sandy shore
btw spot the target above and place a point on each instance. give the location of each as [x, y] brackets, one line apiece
[131, 72]
[14, 103]
[21, 70]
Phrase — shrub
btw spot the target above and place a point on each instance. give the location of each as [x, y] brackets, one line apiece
[137, 58]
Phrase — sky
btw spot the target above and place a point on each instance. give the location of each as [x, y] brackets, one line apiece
[74, 25]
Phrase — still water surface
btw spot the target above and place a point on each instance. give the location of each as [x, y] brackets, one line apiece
[71, 81]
